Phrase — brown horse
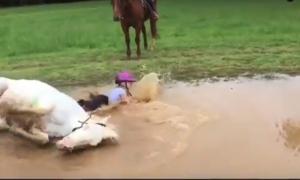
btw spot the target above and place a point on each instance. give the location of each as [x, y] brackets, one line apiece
[134, 13]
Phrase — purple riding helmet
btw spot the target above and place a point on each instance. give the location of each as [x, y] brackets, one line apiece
[124, 77]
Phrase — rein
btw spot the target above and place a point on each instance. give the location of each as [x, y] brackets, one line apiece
[128, 92]
[84, 122]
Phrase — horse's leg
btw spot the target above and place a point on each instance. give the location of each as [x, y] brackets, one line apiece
[127, 39]
[37, 110]
[3, 124]
[145, 37]
[153, 33]
[155, 4]
[138, 29]
[43, 137]
[37, 136]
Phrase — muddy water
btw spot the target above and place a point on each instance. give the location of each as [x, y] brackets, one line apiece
[240, 128]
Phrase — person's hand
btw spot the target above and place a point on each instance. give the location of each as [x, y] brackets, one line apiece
[125, 100]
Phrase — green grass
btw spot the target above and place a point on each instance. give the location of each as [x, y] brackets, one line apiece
[79, 43]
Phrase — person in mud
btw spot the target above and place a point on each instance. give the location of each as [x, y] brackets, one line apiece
[117, 95]
[121, 93]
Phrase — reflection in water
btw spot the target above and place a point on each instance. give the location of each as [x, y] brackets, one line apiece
[222, 129]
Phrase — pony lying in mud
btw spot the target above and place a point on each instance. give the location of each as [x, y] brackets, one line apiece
[38, 111]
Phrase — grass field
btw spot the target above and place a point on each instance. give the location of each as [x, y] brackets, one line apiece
[79, 43]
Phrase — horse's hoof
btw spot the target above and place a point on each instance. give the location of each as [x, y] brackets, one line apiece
[43, 141]
[153, 44]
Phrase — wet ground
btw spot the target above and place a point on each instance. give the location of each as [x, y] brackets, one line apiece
[240, 128]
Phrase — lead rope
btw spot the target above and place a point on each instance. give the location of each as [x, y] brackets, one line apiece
[82, 123]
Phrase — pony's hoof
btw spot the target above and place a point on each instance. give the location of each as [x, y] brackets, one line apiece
[43, 141]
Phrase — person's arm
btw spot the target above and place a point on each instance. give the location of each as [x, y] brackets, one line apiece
[125, 99]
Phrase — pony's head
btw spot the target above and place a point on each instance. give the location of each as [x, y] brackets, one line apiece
[90, 134]
[117, 7]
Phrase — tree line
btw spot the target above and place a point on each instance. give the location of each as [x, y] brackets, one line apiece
[6, 3]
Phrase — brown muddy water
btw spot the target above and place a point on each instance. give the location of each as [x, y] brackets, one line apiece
[229, 129]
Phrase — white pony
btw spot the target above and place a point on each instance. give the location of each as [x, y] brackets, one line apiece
[59, 114]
